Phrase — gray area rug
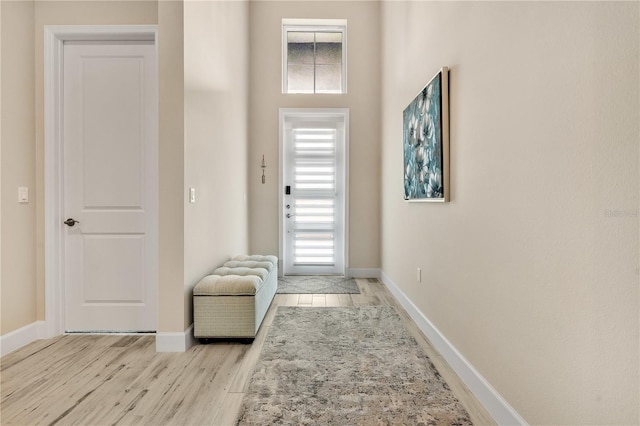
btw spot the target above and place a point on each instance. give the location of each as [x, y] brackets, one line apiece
[317, 284]
[346, 366]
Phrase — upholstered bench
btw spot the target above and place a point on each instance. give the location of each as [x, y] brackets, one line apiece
[234, 299]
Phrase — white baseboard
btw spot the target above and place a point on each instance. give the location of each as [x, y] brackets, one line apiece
[364, 273]
[21, 337]
[165, 342]
[494, 403]
[175, 342]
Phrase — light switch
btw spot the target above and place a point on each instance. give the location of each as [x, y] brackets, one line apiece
[23, 194]
[192, 195]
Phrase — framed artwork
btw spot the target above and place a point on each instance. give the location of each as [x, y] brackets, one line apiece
[426, 142]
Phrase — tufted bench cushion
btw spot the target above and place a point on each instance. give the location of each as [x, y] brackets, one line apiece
[252, 264]
[239, 284]
[242, 271]
[257, 258]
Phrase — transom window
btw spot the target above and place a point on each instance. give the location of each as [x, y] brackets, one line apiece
[314, 57]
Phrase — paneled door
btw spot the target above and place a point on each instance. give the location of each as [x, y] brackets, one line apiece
[313, 211]
[110, 186]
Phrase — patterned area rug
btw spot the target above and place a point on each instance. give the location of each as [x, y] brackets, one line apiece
[317, 284]
[346, 366]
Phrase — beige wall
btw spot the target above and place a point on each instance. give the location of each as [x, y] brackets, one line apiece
[362, 100]
[216, 105]
[1, 322]
[171, 307]
[532, 270]
[22, 149]
[215, 111]
[18, 167]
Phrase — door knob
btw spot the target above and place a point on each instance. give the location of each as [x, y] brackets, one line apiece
[289, 215]
[70, 222]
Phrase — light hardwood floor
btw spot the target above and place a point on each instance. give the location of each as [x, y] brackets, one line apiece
[107, 380]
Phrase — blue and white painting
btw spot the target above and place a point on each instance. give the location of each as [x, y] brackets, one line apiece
[423, 144]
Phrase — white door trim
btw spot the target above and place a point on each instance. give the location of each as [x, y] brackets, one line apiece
[54, 38]
[312, 112]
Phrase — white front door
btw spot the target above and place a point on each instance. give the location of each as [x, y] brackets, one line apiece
[313, 211]
[110, 186]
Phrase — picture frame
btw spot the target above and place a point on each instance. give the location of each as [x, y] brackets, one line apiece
[426, 142]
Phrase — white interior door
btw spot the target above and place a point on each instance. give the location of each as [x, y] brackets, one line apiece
[314, 192]
[110, 186]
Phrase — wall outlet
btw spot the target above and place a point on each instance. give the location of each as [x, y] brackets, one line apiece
[419, 275]
[192, 195]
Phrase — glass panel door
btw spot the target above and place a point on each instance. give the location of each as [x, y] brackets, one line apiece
[314, 196]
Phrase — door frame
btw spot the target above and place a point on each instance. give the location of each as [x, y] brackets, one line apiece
[285, 113]
[54, 38]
